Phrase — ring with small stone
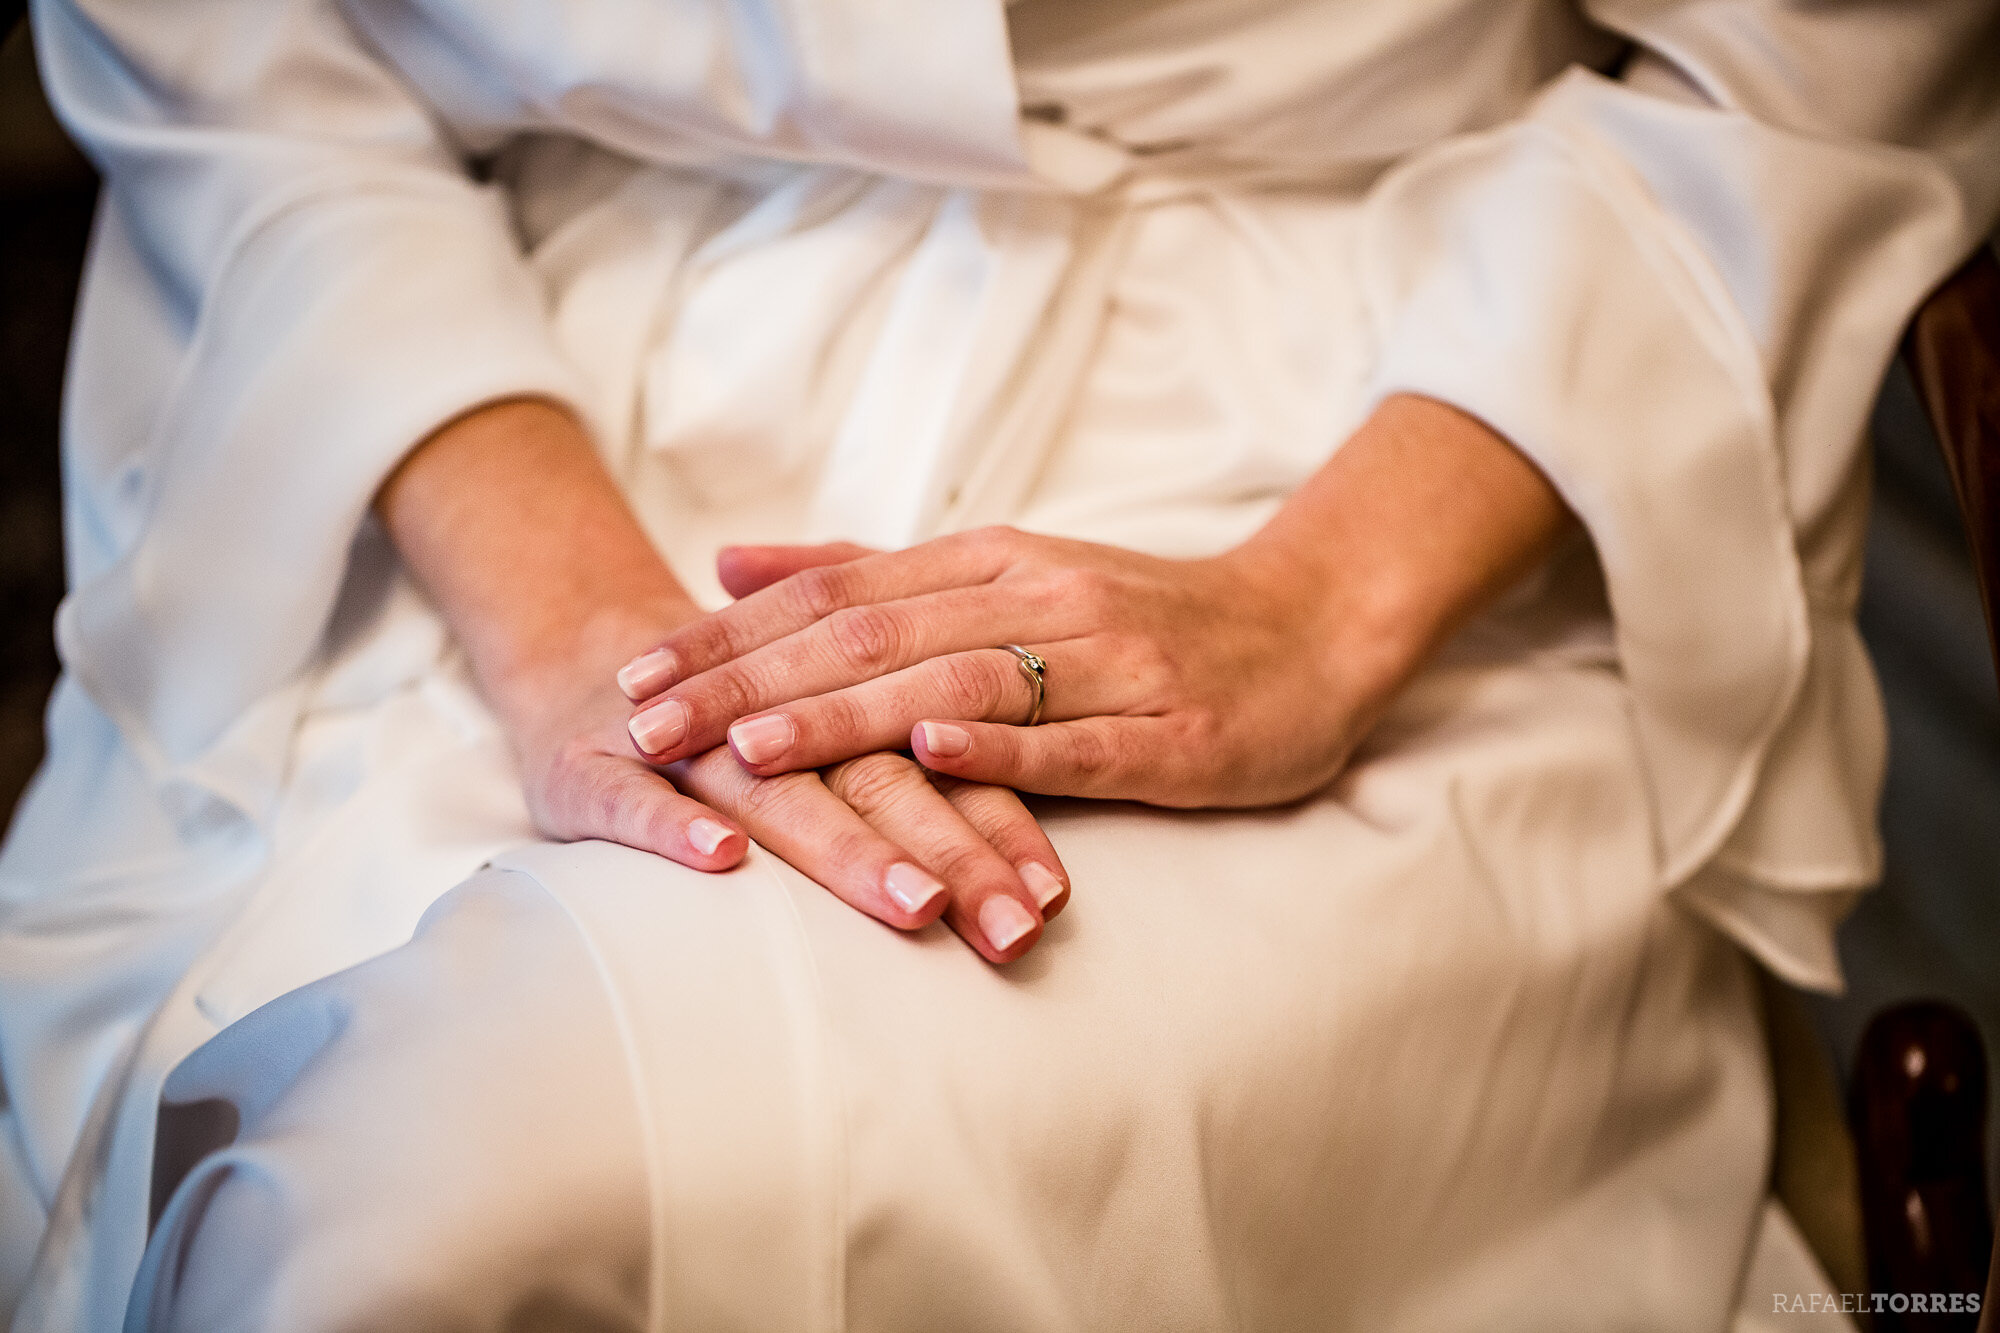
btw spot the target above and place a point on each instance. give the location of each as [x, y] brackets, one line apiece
[1034, 668]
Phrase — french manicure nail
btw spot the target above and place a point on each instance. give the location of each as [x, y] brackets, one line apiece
[1041, 882]
[761, 739]
[706, 835]
[1004, 921]
[660, 728]
[646, 674]
[911, 887]
[946, 741]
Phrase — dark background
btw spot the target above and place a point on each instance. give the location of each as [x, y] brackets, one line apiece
[1932, 929]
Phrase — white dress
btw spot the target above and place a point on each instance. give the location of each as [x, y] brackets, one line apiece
[1465, 1041]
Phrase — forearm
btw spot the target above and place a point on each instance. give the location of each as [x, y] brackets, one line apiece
[511, 523]
[1419, 520]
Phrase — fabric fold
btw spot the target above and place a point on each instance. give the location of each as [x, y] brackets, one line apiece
[1587, 282]
[734, 1077]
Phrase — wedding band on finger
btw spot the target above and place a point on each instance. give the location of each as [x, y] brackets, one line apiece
[1033, 668]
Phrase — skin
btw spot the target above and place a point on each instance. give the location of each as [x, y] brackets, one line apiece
[509, 520]
[1244, 679]
[1241, 680]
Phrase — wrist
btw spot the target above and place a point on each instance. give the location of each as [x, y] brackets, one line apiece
[1421, 518]
[508, 518]
[576, 651]
[1363, 626]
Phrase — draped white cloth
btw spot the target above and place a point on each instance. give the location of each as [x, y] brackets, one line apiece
[1121, 270]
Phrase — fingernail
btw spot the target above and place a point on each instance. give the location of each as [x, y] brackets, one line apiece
[911, 887]
[1041, 882]
[1004, 921]
[706, 835]
[946, 741]
[646, 674]
[659, 728]
[762, 739]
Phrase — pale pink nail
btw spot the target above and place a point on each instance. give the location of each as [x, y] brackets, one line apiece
[759, 740]
[646, 675]
[1041, 882]
[660, 728]
[911, 887]
[1004, 921]
[946, 741]
[706, 835]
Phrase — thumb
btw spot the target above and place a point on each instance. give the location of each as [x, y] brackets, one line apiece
[745, 569]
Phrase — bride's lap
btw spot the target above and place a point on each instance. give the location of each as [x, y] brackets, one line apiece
[443, 1137]
[1335, 1057]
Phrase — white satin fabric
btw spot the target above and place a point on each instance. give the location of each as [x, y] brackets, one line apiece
[1127, 271]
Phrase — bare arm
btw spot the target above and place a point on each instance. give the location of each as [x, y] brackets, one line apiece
[511, 523]
[509, 520]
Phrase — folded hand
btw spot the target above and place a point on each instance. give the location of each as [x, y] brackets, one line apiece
[1178, 682]
[1242, 679]
[902, 845]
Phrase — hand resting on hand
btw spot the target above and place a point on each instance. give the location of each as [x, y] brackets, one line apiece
[509, 520]
[1241, 680]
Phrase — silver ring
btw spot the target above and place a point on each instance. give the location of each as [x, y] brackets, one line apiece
[1034, 669]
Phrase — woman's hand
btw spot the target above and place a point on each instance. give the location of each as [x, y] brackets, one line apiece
[889, 839]
[512, 525]
[1182, 683]
[1240, 680]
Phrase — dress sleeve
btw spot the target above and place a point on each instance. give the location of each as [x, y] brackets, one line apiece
[1677, 289]
[293, 280]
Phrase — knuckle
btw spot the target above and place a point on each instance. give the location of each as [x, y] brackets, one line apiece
[726, 694]
[1095, 591]
[717, 641]
[770, 800]
[1093, 753]
[995, 811]
[602, 802]
[1198, 730]
[994, 538]
[1153, 676]
[853, 849]
[970, 684]
[1080, 590]
[966, 862]
[706, 641]
[868, 637]
[571, 760]
[873, 781]
[834, 719]
[818, 592]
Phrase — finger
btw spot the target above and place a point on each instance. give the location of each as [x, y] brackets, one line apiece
[1007, 825]
[795, 816]
[623, 801]
[794, 602]
[852, 646]
[988, 685]
[991, 908]
[1114, 758]
[745, 569]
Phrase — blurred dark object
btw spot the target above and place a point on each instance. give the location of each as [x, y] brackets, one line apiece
[1919, 1114]
[1918, 1095]
[47, 193]
[36, 157]
[1953, 351]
